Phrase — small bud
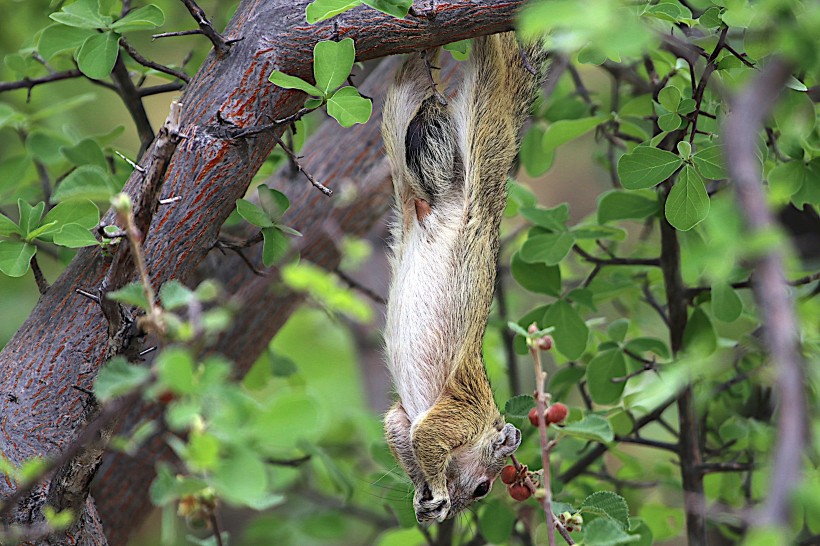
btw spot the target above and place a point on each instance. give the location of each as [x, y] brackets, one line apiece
[545, 343]
[577, 520]
[532, 328]
[121, 203]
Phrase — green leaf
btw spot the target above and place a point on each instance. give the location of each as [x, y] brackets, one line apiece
[606, 532]
[144, 18]
[622, 205]
[332, 63]
[253, 214]
[175, 370]
[130, 294]
[554, 219]
[88, 182]
[617, 330]
[642, 345]
[15, 257]
[42, 229]
[292, 82]
[535, 159]
[669, 121]
[57, 38]
[547, 248]
[496, 521]
[565, 130]
[348, 107]
[98, 54]
[646, 167]
[319, 10]
[709, 162]
[684, 149]
[609, 505]
[8, 227]
[74, 236]
[537, 277]
[699, 336]
[786, 179]
[241, 478]
[273, 202]
[669, 97]
[275, 245]
[85, 152]
[339, 477]
[82, 14]
[592, 427]
[726, 304]
[118, 377]
[460, 50]
[710, 18]
[687, 203]
[396, 8]
[203, 451]
[174, 295]
[606, 366]
[29, 216]
[571, 332]
[60, 106]
[83, 213]
[598, 232]
[519, 406]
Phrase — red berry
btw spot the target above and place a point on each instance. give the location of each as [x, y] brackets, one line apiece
[557, 413]
[166, 397]
[508, 474]
[533, 416]
[519, 491]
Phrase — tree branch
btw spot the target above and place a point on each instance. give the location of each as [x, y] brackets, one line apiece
[780, 326]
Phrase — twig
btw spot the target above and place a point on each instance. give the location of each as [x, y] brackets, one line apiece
[42, 283]
[133, 103]
[221, 44]
[256, 129]
[151, 64]
[29, 83]
[711, 65]
[177, 33]
[780, 329]
[163, 88]
[749, 283]
[215, 527]
[540, 408]
[353, 283]
[650, 262]
[316, 184]
[650, 299]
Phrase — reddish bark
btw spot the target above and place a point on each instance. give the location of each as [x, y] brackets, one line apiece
[60, 347]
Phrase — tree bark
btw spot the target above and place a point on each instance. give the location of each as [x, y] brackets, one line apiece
[57, 352]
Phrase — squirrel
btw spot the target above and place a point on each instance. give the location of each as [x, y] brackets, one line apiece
[450, 164]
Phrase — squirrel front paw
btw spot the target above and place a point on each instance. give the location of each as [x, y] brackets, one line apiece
[431, 506]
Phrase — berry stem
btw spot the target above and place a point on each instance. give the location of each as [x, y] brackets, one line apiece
[541, 406]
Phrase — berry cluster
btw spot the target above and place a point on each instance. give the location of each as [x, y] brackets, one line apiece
[556, 413]
[572, 522]
[515, 479]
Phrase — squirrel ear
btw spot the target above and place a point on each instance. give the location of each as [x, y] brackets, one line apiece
[507, 441]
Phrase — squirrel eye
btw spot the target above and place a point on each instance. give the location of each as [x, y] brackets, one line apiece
[482, 489]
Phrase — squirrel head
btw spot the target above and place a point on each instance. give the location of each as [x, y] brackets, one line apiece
[471, 471]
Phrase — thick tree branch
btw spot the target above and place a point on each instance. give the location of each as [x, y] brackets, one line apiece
[781, 330]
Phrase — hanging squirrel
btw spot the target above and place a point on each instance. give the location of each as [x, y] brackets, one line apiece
[450, 166]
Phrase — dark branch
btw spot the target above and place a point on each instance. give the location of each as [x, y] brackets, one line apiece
[29, 83]
[134, 54]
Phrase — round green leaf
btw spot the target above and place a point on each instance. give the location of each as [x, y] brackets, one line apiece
[535, 159]
[554, 219]
[709, 162]
[241, 478]
[253, 214]
[786, 179]
[496, 521]
[571, 332]
[88, 182]
[74, 236]
[144, 18]
[565, 130]
[396, 8]
[699, 336]
[274, 246]
[348, 107]
[98, 54]
[592, 427]
[669, 121]
[547, 248]
[669, 98]
[646, 167]
[82, 14]
[292, 82]
[332, 63]
[621, 205]
[609, 505]
[319, 10]
[601, 370]
[7, 226]
[726, 304]
[688, 203]
[57, 38]
[15, 257]
[536, 277]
